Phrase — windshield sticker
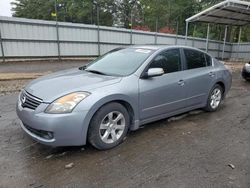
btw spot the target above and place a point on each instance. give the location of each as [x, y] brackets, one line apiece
[143, 51]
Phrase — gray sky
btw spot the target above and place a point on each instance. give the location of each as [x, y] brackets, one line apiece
[5, 7]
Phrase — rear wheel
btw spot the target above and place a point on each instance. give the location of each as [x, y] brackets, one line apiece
[248, 80]
[108, 126]
[214, 98]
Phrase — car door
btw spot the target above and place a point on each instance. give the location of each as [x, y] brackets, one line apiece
[199, 76]
[165, 93]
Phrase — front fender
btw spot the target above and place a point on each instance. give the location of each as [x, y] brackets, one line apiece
[98, 104]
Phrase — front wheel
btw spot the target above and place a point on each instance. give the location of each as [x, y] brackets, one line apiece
[214, 98]
[108, 126]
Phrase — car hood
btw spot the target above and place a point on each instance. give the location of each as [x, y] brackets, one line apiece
[50, 87]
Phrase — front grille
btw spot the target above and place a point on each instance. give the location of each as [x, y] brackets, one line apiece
[42, 134]
[29, 101]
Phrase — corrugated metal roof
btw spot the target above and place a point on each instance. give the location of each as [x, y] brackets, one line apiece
[229, 12]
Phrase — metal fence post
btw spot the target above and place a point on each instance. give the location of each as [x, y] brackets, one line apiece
[186, 35]
[177, 30]
[208, 30]
[239, 42]
[193, 42]
[156, 30]
[1, 44]
[57, 33]
[131, 36]
[155, 37]
[224, 43]
[218, 52]
[98, 40]
[98, 29]
[58, 41]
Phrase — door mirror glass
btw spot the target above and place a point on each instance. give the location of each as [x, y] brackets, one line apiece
[152, 72]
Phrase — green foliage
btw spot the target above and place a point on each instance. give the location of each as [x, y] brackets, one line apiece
[154, 15]
[77, 11]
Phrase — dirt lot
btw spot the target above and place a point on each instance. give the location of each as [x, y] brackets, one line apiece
[14, 75]
[192, 150]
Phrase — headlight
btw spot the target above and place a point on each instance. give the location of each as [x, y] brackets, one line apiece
[66, 103]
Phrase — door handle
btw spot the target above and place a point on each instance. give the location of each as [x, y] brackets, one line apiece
[211, 74]
[181, 82]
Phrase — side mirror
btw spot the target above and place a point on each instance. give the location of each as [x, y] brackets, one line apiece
[153, 72]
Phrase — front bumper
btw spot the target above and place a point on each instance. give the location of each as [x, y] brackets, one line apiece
[53, 129]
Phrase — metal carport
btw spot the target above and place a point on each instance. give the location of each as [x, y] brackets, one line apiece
[228, 13]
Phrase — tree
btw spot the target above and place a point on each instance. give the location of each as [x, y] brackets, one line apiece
[78, 11]
[157, 15]
[33, 9]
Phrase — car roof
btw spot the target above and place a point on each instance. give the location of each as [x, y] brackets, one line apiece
[161, 47]
[158, 47]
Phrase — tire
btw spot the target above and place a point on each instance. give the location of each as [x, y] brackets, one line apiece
[248, 80]
[214, 99]
[109, 126]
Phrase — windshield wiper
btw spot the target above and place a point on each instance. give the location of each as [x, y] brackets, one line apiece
[83, 67]
[95, 71]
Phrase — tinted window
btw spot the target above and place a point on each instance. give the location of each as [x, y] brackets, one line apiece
[208, 60]
[120, 62]
[194, 59]
[169, 61]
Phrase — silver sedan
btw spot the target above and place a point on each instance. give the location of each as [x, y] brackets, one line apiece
[120, 91]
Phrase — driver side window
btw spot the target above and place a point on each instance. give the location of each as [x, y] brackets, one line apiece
[169, 61]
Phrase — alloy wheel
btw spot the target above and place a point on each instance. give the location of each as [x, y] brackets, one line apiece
[112, 127]
[215, 98]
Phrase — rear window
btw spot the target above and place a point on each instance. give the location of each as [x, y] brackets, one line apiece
[195, 59]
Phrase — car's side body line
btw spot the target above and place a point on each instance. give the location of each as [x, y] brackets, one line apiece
[163, 116]
[173, 102]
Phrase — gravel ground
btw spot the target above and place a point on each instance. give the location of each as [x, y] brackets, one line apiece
[39, 66]
[197, 149]
[14, 75]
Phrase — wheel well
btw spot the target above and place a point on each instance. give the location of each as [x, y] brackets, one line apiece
[126, 105]
[222, 85]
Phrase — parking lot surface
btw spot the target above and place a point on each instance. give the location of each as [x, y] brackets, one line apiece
[197, 149]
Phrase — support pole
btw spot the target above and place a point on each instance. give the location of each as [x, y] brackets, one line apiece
[57, 34]
[224, 44]
[186, 33]
[177, 30]
[193, 35]
[98, 31]
[239, 42]
[208, 30]
[156, 30]
[131, 31]
[1, 44]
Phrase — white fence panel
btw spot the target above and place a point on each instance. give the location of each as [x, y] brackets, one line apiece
[109, 36]
[164, 39]
[143, 37]
[27, 38]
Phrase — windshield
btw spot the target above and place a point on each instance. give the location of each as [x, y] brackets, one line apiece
[119, 63]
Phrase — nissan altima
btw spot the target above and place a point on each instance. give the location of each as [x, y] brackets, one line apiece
[120, 91]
